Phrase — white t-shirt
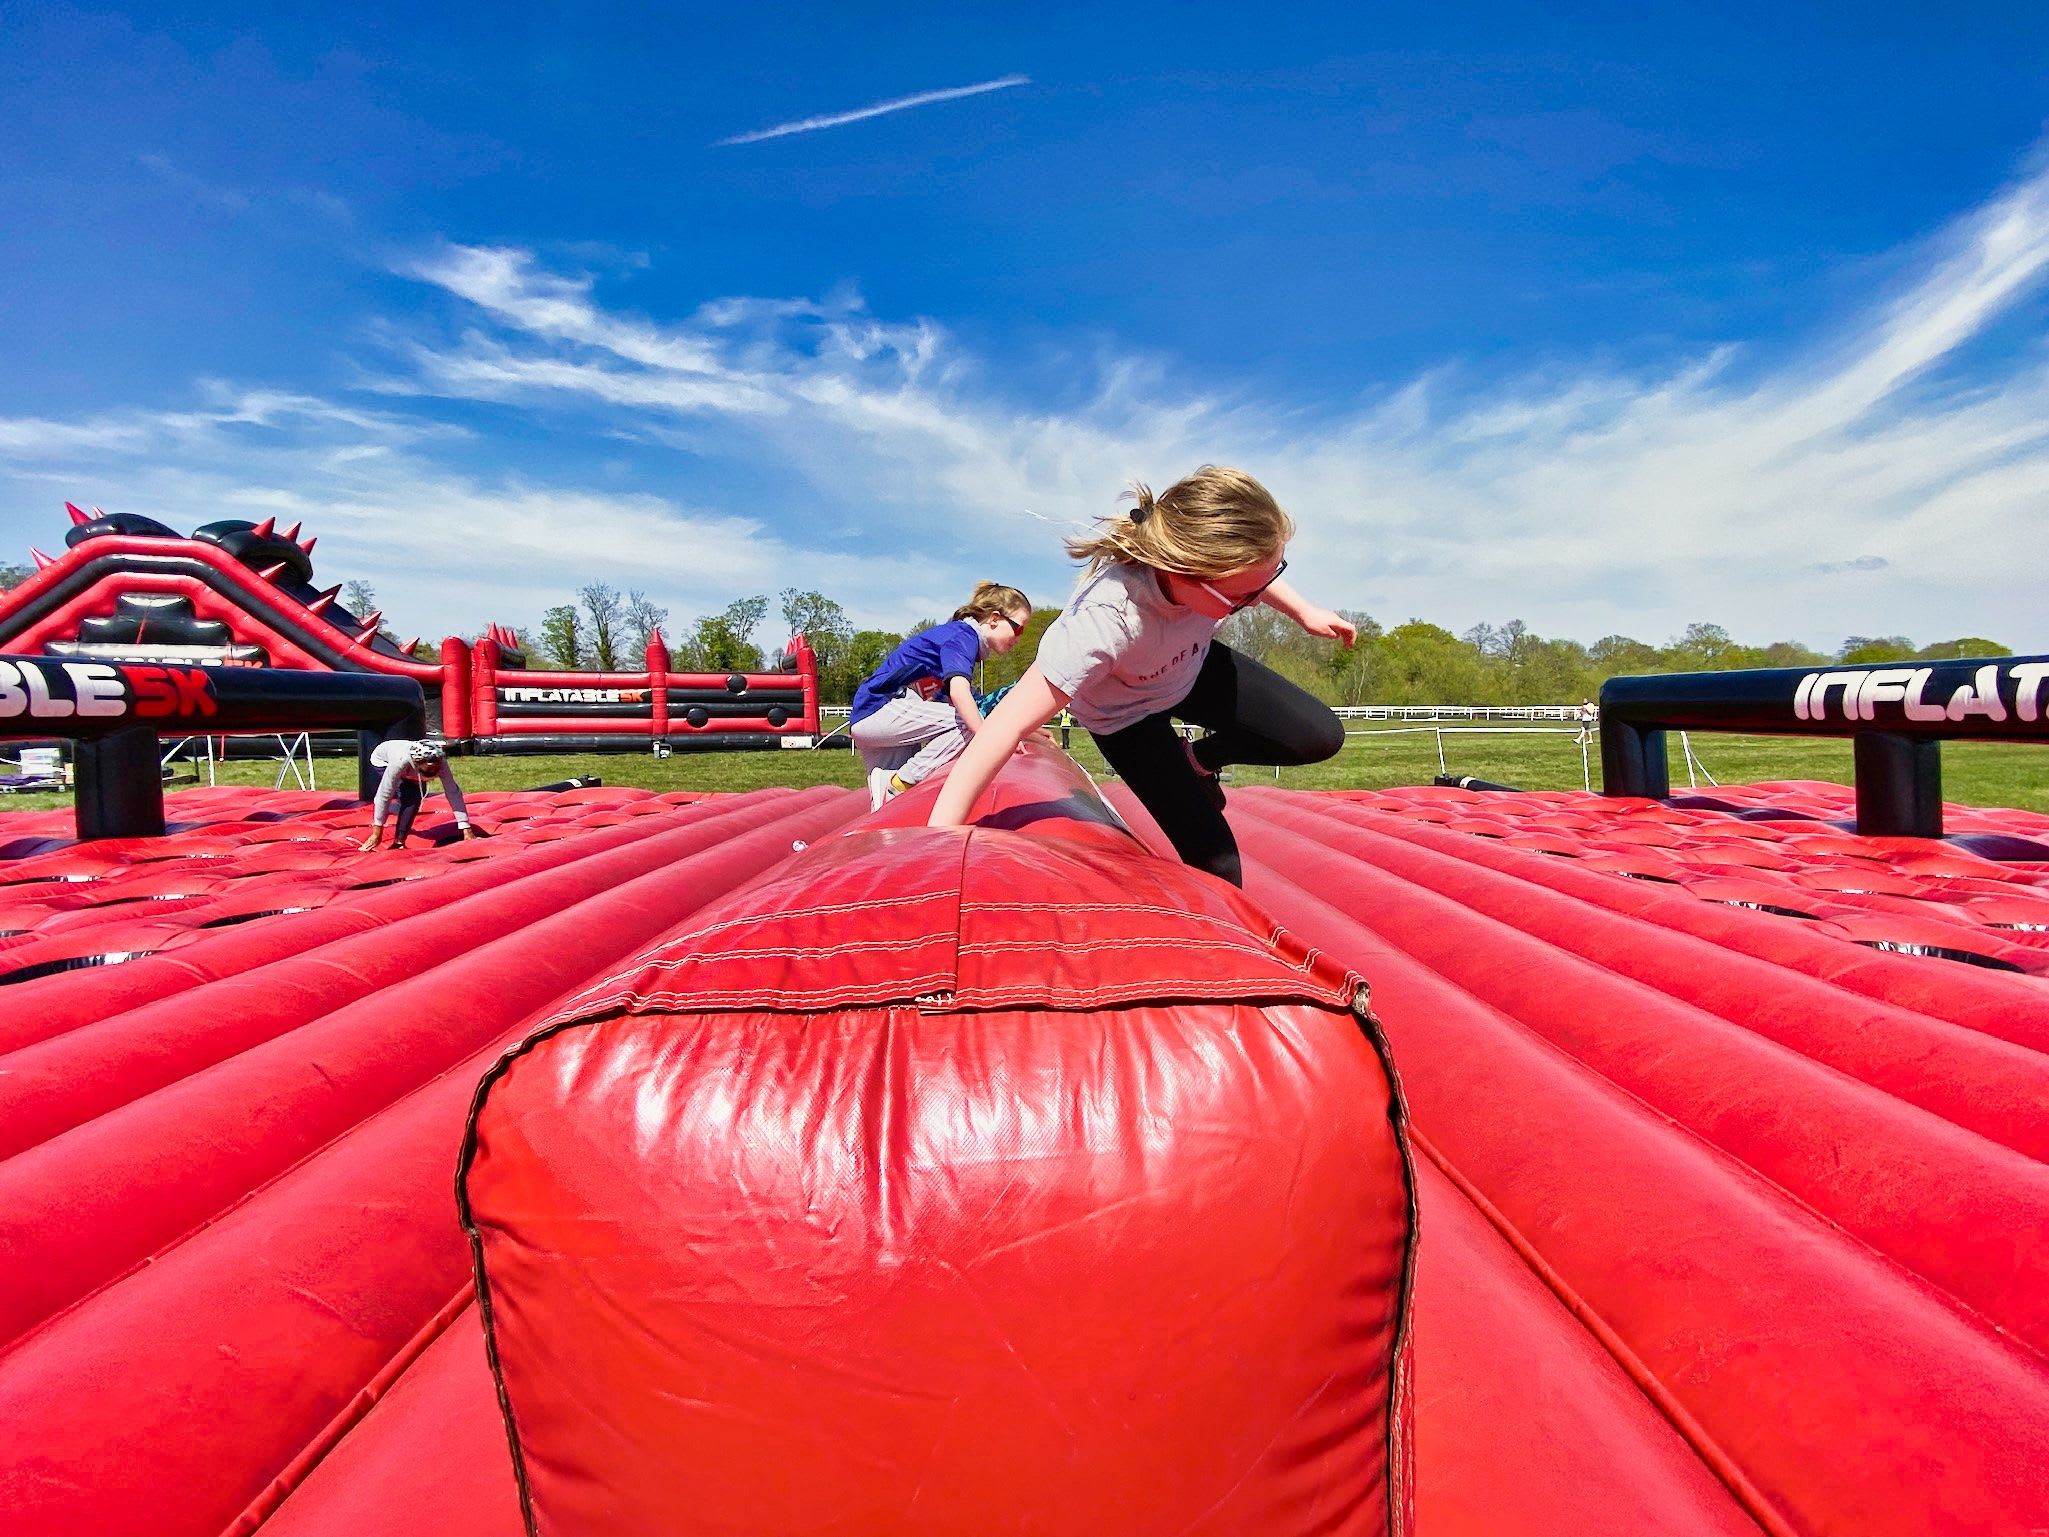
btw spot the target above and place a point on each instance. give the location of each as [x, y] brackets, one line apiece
[1122, 649]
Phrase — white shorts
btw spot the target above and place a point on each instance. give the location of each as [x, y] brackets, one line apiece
[914, 736]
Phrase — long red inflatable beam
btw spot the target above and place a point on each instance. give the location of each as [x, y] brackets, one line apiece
[951, 1181]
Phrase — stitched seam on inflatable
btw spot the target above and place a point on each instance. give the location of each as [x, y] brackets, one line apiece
[486, 1316]
[789, 952]
[1400, 1471]
[1250, 946]
[1724, 1467]
[867, 904]
[294, 1475]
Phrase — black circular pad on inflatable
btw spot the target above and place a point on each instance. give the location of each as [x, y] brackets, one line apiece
[777, 715]
[131, 523]
[697, 715]
[735, 684]
[239, 538]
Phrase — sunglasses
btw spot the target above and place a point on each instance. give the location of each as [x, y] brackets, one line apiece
[1015, 627]
[1239, 605]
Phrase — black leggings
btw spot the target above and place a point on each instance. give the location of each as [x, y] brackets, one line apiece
[410, 793]
[1254, 715]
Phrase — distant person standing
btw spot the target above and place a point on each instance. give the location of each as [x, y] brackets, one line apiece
[407, 767]
[1589, 716]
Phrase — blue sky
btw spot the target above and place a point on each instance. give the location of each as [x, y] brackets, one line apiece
[1610, 318]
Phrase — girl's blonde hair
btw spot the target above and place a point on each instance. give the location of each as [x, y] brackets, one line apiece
[992, 598]
[1208, 524]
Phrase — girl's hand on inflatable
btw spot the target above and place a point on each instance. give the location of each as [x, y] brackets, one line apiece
[1329, 624]
[474, 831]
[1031, 702]
[374, 841]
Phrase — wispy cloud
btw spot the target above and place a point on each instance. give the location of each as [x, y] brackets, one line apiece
[1729, 487]
[235, 201]
[1886, 474]
[446, 548]
[879, 109]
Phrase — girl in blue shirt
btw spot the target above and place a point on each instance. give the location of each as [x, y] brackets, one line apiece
[915, 712]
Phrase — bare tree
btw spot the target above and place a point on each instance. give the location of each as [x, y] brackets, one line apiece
[644, 616]
[603, 614]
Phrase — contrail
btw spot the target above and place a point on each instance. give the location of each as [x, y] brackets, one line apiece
[900, 104]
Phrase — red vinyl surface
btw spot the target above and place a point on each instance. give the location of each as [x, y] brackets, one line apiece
[1110, 1232]
[1730, 1147]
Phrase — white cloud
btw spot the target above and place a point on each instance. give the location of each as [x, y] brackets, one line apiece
[445, 550]
[1724, 487]
[879, 109]
[1854, 481]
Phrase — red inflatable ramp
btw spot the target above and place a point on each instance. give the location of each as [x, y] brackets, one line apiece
[1010, 1180]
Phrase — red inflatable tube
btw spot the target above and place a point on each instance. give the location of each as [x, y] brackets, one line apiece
[1850, 1395]
[233, 1358]
[78, 1210]
[1069, 1197]
[455, 689]
[166, 1405]
[433, 1448]
[1961, 1211]
[1987, 1085]
[48, 1007]
[1525, 1427]
[50, 1087]
[484, 687]
[2013, 1009]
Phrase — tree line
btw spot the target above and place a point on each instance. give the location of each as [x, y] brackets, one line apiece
[1510, 664]
[606, 630]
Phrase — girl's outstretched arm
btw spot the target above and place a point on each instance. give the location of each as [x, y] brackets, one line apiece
[1017, 715]
[962, 696]
[1326, 622]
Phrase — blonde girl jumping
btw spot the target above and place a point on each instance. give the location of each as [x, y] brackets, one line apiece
[1135, 649]
[915, 712]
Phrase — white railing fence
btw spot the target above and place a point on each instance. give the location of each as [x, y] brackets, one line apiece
[1583, 736]
[1422, 712]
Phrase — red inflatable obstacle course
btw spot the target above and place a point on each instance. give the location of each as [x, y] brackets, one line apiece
[241, 594]
[1732, 1136]
[226, 1232]
[950, 1182]
[517, 709]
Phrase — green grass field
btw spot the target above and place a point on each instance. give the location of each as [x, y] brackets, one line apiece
[1980, 773]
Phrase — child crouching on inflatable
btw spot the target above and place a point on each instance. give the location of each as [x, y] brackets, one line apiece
[1135, 649]
[903, 735]
[407, 766]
